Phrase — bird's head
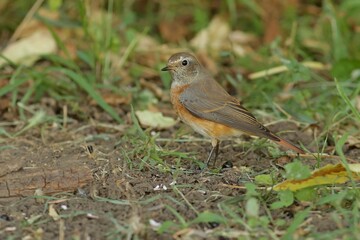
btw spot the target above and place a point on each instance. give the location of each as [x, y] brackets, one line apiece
[183, 67]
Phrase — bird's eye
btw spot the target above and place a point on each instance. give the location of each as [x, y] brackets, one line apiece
[185, 62]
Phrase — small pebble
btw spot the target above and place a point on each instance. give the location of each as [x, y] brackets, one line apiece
[227, 164]
[213, 224]
[5, 217]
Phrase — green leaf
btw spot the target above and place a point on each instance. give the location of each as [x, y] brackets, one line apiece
[264, 179]
[251, 190]
[166, 227]
[286, 199]
[351, 8]
[298, 71]
[306, 194]
[343, 68]
[252, 207]
[54, 5]
[296, 170]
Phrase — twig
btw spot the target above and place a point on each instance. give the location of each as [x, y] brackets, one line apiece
[280, 69]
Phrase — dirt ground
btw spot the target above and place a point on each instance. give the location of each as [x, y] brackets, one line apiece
[87, 180]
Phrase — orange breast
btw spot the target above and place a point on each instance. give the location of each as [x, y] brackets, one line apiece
[204, 127]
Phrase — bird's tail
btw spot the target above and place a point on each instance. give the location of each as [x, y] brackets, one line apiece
[289, 145]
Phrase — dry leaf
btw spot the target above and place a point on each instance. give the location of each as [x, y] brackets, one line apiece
[317, 45]
[271, 19]
[283, 160]
[353, 141]
[238, 40]
[53, 213]
[4, 82]
[113, 99]
[176, 30]
[153, 87]
[145, 42]
[29, 49]
[154, 119]
[4, 104]
[28, 27]
[213, 38]
[218, 36]
[68, 36]
[282, 68]
[144, 54]
[329, 174]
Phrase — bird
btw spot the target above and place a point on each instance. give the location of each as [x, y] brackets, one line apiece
[203, 104]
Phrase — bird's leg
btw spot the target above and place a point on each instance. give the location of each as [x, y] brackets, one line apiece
[215, 149]
[216, 152]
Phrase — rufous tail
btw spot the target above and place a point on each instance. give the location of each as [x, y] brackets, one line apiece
[289, 145]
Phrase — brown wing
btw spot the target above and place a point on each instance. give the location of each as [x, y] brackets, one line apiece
[207, 99]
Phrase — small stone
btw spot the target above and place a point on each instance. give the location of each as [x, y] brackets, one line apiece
[227, 164]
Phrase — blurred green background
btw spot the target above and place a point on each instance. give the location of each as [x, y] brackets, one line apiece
[109, 53]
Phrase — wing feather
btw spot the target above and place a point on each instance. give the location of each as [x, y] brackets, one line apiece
[208, 100]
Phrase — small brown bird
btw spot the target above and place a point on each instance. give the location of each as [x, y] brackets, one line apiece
[204, 105]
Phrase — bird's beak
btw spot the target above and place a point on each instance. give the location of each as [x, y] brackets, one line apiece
[168, 68]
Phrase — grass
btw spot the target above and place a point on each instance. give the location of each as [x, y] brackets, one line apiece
[98, 57]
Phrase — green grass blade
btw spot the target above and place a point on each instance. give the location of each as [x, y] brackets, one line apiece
[346, 99]
[137, 124]
[298, 219]
[13, 83]
[338, 147]
[340, 50]
[84, 84]
[177, 215]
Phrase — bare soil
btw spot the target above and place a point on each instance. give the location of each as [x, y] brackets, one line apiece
[109, 195]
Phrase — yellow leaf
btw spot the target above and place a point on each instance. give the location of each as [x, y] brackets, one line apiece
[329, 174]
